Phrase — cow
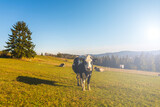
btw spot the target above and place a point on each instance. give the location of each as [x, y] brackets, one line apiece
[99, 69]
[83, 67]
[121, 66]
[62, 65]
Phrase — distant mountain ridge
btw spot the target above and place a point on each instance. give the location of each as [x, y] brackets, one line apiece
[128, 53]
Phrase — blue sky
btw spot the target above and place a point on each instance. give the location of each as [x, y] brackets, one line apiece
[85, 26]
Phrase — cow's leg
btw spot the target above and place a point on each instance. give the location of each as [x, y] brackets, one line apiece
[83, 85]
[80, 81]
[83, 82]
[78, 77]
[88, 82]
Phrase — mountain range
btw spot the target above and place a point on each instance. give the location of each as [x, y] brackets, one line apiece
[128, 53]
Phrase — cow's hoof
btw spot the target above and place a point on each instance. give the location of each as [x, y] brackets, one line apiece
[83, 90]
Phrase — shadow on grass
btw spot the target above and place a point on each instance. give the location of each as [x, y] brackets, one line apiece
[36, 81]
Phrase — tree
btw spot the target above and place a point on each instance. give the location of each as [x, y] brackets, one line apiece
[157, 63]
[59, 55]
[19, 43]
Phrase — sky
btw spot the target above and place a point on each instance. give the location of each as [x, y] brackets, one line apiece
[85, 26]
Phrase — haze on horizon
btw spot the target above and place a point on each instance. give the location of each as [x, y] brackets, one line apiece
[85, 26]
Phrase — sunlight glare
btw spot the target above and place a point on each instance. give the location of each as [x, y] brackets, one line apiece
[153, 34]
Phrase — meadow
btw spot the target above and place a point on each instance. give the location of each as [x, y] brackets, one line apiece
[40, 82]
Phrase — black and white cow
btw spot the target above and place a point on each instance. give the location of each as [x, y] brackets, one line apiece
[83, 67]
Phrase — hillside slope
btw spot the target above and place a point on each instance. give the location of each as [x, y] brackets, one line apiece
[40, 82]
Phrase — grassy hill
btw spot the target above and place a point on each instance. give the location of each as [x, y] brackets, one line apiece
[40, 82]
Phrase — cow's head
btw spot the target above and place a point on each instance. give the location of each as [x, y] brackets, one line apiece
[88, 63]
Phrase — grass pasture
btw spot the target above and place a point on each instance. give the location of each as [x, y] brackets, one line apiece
[40, 82]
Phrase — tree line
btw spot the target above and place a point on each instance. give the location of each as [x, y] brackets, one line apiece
[145, 62]
[61, 55]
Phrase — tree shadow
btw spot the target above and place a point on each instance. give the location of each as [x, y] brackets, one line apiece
[35, 81]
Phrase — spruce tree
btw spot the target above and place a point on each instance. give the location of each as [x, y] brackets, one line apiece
[19, 43]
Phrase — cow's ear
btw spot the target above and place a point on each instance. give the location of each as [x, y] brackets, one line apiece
[95, 59]
[81, 60]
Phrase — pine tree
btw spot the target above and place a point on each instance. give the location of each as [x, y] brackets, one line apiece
[19, 43]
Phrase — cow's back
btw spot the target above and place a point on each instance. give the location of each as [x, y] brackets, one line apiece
[75, 65]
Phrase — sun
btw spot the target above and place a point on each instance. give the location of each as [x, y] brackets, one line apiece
[153, 34]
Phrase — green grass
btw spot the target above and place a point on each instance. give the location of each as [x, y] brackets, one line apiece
[40, 82]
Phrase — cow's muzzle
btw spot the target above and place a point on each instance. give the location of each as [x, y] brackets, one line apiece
[89, 69]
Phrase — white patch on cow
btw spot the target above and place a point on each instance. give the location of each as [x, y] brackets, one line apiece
[88, 64]
[79, 62]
